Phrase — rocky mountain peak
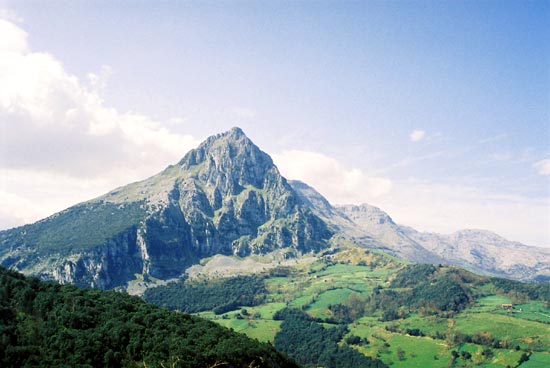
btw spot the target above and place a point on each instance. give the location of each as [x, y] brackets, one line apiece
[366, 212]
[229, 160]
[224, 197]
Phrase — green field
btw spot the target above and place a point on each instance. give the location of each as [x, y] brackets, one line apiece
[515, 330]
[537, 360]
[421, 338]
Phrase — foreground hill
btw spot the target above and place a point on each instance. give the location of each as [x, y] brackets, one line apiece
[46, 325]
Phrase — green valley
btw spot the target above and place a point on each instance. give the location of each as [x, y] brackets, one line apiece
[395, 314]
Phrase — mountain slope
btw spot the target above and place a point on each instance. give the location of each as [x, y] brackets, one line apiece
[47, 325]
[225, 197]
[487, 252]
[479, 251]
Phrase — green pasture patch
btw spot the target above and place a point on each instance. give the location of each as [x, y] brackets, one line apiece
[537, 360]
[498, 358]
[535, 311]
[429, 325]
[299, 302]
[331, 297]
[238, 325]
[263, 330]
[340, 268]
[266, 311]
[417, 352]
[489, 303]
[504, 327]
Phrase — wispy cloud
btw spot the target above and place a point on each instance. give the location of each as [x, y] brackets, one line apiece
[543, 167]
[417, 135]
[331, 178]
[494, 138]
[415, 159]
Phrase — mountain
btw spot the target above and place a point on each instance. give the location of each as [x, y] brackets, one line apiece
[479, 251]
[48, 325]
[483, 251]
[225, 197]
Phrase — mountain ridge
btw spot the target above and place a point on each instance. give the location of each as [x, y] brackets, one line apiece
[227, 197]
[477, 250]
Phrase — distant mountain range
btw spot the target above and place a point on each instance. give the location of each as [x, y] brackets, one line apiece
[227, 197]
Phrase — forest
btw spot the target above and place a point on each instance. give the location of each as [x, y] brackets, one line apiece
[313, 345]
[43, 324]
[219, 296]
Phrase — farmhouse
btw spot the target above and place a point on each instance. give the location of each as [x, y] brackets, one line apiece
[507, 306]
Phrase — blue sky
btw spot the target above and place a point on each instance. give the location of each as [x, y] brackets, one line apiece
[436, 111]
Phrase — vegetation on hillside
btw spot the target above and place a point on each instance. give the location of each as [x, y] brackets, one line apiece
[316, 346]
[402, 315]
[219, 296]
[76, 229]
[45, 325]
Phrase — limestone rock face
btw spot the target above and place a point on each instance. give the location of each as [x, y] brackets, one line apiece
[225, 197]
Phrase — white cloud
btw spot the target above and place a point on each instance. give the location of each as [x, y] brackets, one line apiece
[27, 196]
[51, 122]
[14, 39]
[417, 135]
[543, 167]
[332, 179]
[493, 139]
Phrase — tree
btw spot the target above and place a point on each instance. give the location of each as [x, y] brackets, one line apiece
[400, 353]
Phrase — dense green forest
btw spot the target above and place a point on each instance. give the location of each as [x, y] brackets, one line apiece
[313, 345]
[219, 296]
[44, 324]
[538, 291]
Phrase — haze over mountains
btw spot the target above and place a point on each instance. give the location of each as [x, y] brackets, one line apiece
[227, 197]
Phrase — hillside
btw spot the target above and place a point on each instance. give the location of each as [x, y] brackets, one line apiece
[394, 314]
[46, 325]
